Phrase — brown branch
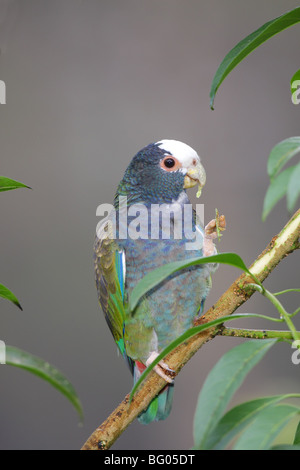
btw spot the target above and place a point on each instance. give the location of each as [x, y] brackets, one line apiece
[279, 247]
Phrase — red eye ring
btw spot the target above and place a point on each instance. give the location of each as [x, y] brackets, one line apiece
[170, 163]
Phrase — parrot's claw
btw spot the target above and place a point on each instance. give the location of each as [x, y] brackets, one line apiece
[162, 369]
[212, 231]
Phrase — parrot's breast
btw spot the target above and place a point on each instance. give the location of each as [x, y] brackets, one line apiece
[169, 309]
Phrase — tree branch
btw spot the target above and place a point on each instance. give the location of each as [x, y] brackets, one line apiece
[279, 247]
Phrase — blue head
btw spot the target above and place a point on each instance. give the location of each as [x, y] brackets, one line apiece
[160, 172]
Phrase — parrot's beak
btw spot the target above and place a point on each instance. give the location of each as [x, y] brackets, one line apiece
[195, 175]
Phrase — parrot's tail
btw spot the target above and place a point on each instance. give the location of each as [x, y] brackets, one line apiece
[160, 407]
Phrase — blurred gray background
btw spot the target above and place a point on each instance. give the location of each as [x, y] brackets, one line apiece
[89, 83]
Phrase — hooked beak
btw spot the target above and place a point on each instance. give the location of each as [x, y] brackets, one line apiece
[195, 175]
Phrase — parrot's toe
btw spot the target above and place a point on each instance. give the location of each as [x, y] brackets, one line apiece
[211, 229]
[162, 369]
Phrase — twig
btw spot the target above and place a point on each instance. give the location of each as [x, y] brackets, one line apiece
[283, 313]
[255, 334]
[279, 247]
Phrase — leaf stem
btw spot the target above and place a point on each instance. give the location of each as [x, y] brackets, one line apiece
[257, 334]
[279, 307]
[285, 291]
[295, 312]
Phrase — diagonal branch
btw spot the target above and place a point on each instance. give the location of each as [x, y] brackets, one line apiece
[280, 246]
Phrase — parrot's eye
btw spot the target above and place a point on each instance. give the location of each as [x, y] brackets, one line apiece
[170, 163]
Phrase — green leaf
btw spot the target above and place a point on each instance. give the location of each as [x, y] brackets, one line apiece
[297, 436]
[296, 76]
[285, 447]
[276, 191]
[262, 431]
[248, 44]
[281, 154]
[293, 189]
[158, 275]
[188, 334]
[24, 360]
[7, 294]
[6, 184]
[222, 382]
[236, 419]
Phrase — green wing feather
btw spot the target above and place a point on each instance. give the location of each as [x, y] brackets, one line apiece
[110, 262]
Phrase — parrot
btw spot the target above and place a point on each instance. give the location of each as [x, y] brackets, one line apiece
[157, 176]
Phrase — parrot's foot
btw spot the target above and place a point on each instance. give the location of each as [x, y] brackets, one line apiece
[210, 233]
[162, 369]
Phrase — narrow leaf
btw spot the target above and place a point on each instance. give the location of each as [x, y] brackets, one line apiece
[221, 384]
[262, 431]
[276, 191]
[249, 44]
[293, 188]
[281, 154]
[24, 360]
[297, 436]
[236, 419]
[7, 294]
[158, 275]
[7, 184]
